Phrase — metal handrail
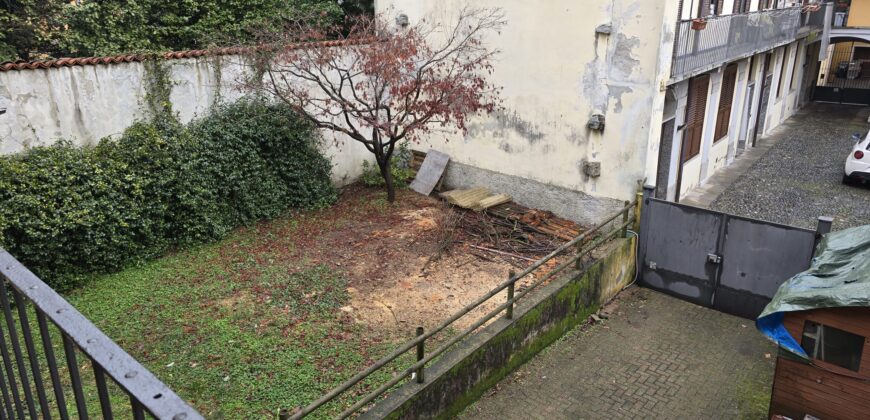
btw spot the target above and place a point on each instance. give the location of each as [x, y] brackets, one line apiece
[418, 342]
[145, 391]
[726, 38]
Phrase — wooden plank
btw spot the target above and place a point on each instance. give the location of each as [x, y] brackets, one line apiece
[466, 198]
[430, 172]
[803, 389]
[492, 201]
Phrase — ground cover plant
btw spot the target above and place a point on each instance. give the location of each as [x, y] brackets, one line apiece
[276, 314]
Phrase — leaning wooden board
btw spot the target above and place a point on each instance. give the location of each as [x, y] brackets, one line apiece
[430, 172]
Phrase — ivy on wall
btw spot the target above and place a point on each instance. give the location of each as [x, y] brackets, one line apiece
[158, 90]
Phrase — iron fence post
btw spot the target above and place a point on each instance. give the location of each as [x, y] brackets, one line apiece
[642, 219]
[421, 352]
[510, 296]
[638, 204]
[823, 227]
[625, 219]
[579, 263]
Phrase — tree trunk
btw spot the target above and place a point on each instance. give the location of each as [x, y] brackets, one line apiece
[388, 178]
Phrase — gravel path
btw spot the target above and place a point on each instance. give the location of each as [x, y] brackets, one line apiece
[799, 179]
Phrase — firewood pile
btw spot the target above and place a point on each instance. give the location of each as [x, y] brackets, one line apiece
[538, 220]
[515, 231]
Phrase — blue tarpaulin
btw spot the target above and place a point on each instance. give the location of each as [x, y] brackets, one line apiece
[839, 276]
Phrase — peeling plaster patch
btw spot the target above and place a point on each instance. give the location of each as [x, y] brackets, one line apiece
[505, 146]
[622, 62]
[616, 92]
[593, 90]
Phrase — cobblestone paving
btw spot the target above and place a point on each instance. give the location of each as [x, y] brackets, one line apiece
[654, 357]
[799, 178]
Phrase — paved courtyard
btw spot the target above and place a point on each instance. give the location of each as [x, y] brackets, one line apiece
[795, 176]
[653, 357]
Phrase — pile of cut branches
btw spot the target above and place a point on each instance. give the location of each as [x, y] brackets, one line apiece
[492, 233]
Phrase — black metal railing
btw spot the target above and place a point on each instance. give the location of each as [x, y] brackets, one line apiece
[584, 244]
[703, 44]
[40, 324]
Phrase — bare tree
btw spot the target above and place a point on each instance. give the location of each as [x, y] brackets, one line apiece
[380, 84]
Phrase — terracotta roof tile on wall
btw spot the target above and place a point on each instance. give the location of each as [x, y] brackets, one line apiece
[130, 58]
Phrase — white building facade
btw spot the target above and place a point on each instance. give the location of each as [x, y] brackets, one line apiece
[682, 86]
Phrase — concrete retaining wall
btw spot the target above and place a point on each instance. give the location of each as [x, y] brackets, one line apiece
[461, 376]
[570, 204]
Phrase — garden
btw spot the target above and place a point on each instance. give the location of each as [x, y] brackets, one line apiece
[220, 256]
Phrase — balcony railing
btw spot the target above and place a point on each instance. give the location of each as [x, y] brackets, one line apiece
[39, 326]
[721, 39]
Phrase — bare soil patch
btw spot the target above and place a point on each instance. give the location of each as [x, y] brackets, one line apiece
[277, 314]
[410, 263]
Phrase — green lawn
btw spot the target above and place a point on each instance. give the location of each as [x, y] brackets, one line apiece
[245, 326]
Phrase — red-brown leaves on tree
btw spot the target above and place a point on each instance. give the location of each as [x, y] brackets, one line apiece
[379, 84]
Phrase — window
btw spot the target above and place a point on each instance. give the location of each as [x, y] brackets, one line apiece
[709, 7]
[726, 100]
[861, 53]
[828, 344]
[741, 6]
[781, 85]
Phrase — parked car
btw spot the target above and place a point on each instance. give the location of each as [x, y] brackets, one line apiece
[858, 162]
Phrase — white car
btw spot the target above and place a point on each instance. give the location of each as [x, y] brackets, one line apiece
[858, 162]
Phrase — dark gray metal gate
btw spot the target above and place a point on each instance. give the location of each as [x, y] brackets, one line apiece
[847, 79]
[729, 263]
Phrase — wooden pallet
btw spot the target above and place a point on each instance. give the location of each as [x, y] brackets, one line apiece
[477, 199]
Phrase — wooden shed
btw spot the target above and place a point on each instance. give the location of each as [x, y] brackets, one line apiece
[821, 321]
[834, 383]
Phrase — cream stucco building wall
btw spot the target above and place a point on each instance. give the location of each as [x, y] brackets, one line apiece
[561, 62]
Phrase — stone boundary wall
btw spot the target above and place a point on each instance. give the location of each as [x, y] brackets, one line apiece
[86, 103]
[462, 375]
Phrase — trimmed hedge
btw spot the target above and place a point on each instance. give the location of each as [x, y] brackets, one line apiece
[67, 211]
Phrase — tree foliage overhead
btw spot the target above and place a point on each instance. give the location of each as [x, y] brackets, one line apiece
[35, 29]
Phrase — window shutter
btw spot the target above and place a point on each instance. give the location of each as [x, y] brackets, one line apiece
[726, 101]
[695, 109]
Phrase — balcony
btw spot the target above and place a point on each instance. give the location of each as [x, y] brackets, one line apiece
[846, 25]
[700, 47]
